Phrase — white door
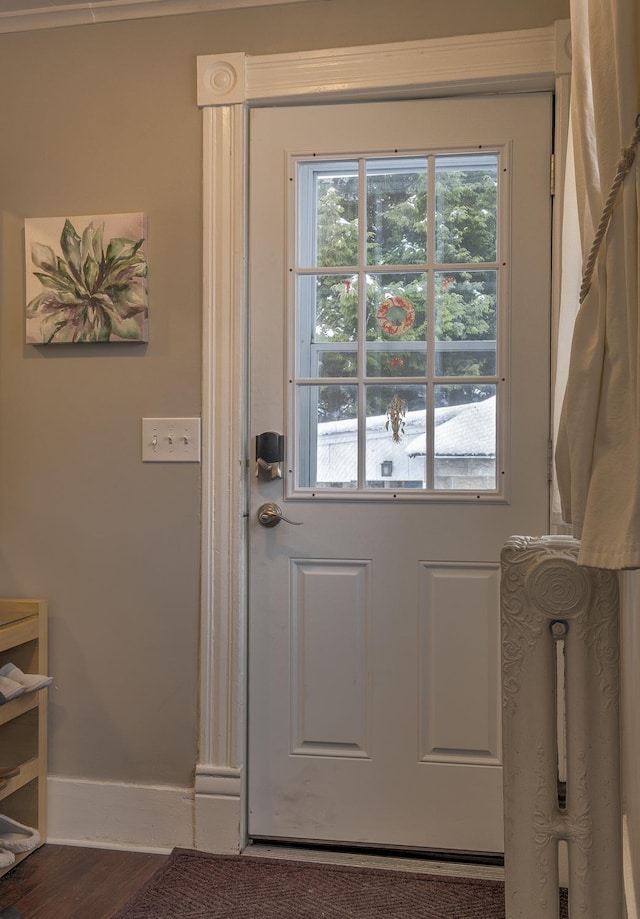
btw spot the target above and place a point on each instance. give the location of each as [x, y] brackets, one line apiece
[399, 289]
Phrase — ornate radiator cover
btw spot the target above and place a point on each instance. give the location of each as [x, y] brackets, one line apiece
[560, 643]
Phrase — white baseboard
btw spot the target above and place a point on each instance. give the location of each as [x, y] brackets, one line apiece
[218, 809]
[119, 815]
[217, 825]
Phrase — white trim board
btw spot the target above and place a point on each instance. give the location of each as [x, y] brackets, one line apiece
[21, 18]
[118, 815]
[228, 85]
[525, 61]
[629, 870]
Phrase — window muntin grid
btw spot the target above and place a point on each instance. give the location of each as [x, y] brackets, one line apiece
[379, 315]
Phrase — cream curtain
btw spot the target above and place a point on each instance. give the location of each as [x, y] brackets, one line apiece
[598, 438]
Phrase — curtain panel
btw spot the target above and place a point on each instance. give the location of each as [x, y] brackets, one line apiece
[598, 437]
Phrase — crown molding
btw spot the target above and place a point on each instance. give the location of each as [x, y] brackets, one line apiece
[88, 13]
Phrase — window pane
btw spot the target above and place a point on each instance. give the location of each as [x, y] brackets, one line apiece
[327, 214]
[326, 316]
[363, 331]
[465, 323]
[396, 324]
[329, 305]
[384, 362]
[334, 362]
[396, 416]
[465, 437]
[327, 428]
[396, 211]
[466, 208]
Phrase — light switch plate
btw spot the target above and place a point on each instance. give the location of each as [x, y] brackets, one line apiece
[171, 440]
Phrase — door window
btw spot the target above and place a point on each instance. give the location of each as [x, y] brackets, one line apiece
[397, 280]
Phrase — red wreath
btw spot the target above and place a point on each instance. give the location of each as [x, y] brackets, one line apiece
[395, 316]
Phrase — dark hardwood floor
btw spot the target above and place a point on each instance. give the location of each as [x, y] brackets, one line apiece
[70, 882]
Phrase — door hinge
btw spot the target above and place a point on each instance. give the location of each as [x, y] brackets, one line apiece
[552, 175]
[550, 461]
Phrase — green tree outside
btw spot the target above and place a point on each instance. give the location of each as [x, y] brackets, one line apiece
[464, 300]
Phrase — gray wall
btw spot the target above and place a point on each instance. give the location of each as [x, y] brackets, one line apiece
[103, 119]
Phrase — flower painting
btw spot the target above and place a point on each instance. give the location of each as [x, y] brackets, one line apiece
[86, 279]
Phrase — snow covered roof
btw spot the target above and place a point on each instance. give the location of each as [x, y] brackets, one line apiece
[461, 430]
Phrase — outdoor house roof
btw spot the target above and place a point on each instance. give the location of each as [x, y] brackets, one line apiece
[461, 430]
[466, 430]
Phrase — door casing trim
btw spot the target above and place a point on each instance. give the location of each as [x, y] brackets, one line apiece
[228, 86]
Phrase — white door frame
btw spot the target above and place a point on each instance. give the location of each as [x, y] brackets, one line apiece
[228, 85]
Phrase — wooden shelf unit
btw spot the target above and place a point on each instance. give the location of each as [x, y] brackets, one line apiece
[23, 721]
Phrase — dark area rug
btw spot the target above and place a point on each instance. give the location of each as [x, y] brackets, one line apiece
[195, 885]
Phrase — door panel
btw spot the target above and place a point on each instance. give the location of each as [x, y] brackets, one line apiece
[459, 718]
[374, 683]
[330, 657]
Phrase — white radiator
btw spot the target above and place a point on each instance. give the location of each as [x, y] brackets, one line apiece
[560, 693]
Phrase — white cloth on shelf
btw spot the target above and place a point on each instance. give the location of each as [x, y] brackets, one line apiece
[29, 681]
[16, 837]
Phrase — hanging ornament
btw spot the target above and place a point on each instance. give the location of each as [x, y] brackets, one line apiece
[395, 316]
[396, 411]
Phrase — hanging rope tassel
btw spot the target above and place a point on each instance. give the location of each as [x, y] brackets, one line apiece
[622, 171]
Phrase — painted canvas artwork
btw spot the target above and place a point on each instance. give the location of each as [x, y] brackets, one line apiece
[86, 279]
